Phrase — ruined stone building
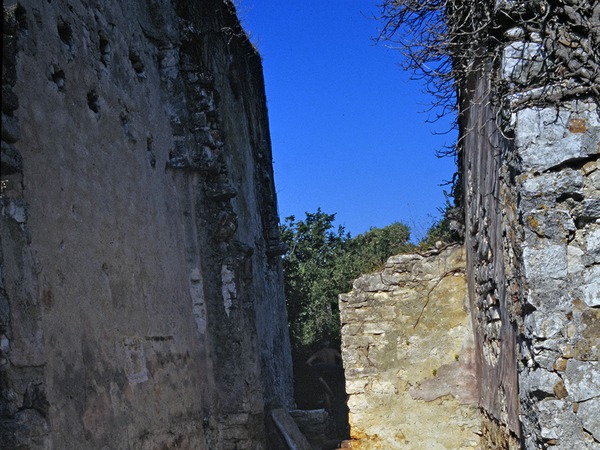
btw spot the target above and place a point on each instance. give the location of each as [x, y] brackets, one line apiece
[141, 295]
[142, 301]
[528, 78]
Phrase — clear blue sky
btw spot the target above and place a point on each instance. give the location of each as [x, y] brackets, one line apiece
[347, 124]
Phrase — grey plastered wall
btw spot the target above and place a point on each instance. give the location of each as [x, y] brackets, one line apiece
[142, 290]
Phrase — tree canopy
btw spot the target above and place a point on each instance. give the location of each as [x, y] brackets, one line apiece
[322, 261]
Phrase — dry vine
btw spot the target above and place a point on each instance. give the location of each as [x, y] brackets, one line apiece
[446, 42]
[435, 285]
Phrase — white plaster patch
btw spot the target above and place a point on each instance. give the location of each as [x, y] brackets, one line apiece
[228, 288]
[198, 303]
[135, 360]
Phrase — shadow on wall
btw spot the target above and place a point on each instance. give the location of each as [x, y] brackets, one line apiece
[319, 383]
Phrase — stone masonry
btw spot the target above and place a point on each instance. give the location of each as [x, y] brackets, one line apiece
[141, 288]
[529, 148]
[559, 207]
[530, 144]
[408, 352]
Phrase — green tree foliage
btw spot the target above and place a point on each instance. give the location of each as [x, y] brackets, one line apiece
[322, 262]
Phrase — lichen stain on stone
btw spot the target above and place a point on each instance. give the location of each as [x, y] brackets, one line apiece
[577, 126]
[533, 223]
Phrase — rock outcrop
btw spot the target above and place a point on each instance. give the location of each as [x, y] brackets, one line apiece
[408, 352]
[142, 301]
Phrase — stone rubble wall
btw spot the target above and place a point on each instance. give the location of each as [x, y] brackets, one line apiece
[408, 351]
[532, 198]
[559, 210]
[141, 290]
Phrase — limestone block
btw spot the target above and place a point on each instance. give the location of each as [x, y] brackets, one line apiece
[549, 261]
[543, 139]
[522, 60]
[591, 209]
[32, 429]
[356, 386]
[314, 425]
[592, 179]
[10, 129]
[554, 415]
[574, 259]
[12, 162]
[593, 245]
[552, 224]
[291, 434]
[566, 182]
[540, 380]
[589, 414]
[582, 380]
[590, 286]
[546, 325]
[15, 210]
[403, 260]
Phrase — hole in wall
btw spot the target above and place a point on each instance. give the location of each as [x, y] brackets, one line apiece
[136, 61]
[125, 120]
[105, 50]
[92, 101]
[151, 156]
[569, 195]
[64, 32]
[58, 77]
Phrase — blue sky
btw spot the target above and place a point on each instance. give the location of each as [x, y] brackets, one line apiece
[347, 124]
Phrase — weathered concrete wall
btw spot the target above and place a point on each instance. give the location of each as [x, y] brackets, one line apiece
[408, 353]
[142, 302]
